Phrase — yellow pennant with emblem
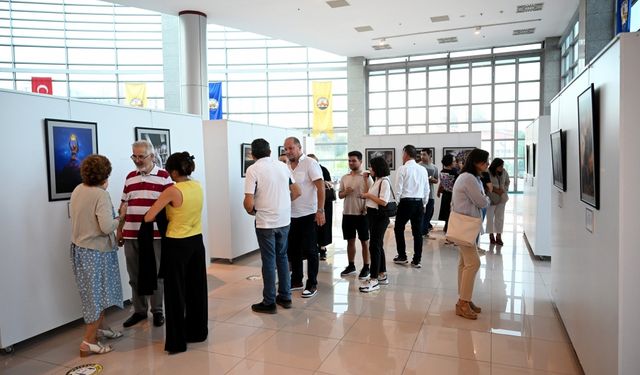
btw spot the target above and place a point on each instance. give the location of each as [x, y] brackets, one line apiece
[136, 94]
[322, 109]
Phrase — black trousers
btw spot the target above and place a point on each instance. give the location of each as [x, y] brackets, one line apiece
[414, 211]
[303, 245]
[377, 227]
[185, 292]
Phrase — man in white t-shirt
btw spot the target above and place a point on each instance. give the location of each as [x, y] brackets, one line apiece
[306, 212]
[269, 189]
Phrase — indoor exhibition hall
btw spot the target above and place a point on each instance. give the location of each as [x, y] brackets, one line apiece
[326, 187]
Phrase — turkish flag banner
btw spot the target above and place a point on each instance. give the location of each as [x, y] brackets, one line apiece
[42, 85]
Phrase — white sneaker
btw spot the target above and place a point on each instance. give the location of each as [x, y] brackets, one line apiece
[369, 286]
[383, 280]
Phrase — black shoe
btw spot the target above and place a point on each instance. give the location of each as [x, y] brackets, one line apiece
[158, 319]
[400, 260]
[364, 273]
[297, 286]
[415, 264]
[134, 319]
[323, 255]
[349, 270]
[262, 308]
[310, 291]
[286, 303]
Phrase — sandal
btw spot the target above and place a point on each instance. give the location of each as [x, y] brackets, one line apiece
[97, 348]
[109, 333]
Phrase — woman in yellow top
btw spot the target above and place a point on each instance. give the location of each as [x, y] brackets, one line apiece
[183, 256]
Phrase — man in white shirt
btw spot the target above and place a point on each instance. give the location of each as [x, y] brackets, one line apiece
[412, 185]
[269, 189]
[354, 214]
[306, 212]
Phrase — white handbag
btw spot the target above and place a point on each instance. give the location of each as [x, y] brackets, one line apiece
[463, 229]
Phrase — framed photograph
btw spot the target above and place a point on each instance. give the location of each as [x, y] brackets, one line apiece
[246, 158]
[430, 150]
[528, 158]
[389, 154]
[460, 153]
[280, 150]
[68, 144]
[533, 160]
[588, 148]
[559, 159]
[161, 141]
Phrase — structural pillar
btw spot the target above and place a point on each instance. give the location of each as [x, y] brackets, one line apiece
[551, 61]
[193, 63]
[597, 27]
[356, 102]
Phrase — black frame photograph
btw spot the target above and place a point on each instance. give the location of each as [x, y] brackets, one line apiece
[559, 159]
[68, 143]
[588, 148]
[533, 159]
[161, 141]
[246, 159]
[280, 150]
[455, 151]
[528, 159]
[389, 154]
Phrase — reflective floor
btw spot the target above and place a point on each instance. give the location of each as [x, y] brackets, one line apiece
[407, 327]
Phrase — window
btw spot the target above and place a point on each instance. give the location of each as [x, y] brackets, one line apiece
[569, 66]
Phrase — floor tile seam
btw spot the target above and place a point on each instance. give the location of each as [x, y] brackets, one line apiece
[279, 364]
[566, 343]
[376, 344]
[204, 350]
[462, 328]
[533, 368]
[451, 356]
[40, 360]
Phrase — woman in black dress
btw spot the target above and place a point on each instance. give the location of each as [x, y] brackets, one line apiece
[448, 176]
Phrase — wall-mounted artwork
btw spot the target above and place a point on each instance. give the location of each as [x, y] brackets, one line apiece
[280, 150]
[431, 150]
[588, 148]
[528, 158]
[389, 154]
[246, 158]
[533, 159]
[68, 144]
[460, 153]
[559, 160]
[161, 141]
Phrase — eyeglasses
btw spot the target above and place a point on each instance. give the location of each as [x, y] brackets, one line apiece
[139, 157]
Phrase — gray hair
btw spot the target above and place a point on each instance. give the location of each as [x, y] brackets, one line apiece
[146, 144]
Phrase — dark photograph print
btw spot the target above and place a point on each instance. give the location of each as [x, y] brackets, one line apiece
[559, 160]
[281, 150]
[588, 141]
[460, 153]
[160, 140]
[389, 154]
[246, 158]
[68, 144]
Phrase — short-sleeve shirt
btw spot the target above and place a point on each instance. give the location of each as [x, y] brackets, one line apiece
[268, 180]
[432, 171]
[140, 193]
[382, 189]
[353, 204]
[307, 171]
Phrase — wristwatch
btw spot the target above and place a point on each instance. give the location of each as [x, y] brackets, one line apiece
[321, 210]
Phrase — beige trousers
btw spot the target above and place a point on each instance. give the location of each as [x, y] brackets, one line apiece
[468, 266]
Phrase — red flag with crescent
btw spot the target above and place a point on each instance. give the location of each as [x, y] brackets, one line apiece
[42, 85]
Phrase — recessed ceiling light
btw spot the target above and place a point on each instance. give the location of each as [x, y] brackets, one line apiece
[526, 8]
[452, 39]
[439, 18]
[337, 3]
[477, 32]
[524, 31]
[363, 29]
[379, 47]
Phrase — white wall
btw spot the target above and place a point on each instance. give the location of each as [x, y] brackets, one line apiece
[37, 287]
[594, 275]
[231, 228]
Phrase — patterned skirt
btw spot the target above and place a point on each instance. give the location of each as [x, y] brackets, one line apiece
[98, 278]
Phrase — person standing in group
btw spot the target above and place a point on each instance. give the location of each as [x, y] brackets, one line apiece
[499, 197]
[183, 265]
[325, 232]
[448, 176]
[307, 212]
[354, 214]
[378, 195]
[94, 256]
[469, 199]
[412, 189]
[432, 172]
[268, 191]
[141, 189]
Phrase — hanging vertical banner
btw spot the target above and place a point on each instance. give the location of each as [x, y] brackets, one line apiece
[42, 85]
[136, 94]
[623, 16]
[215, 100]
[322, 109]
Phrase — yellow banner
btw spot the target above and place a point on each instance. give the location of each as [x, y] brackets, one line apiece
[322, 109]
[136, 94]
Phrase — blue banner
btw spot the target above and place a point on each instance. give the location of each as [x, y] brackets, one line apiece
[215, 100]
[623, 16]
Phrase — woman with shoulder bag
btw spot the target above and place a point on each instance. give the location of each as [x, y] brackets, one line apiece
[379, 195]
[499, 198]
[468, 200]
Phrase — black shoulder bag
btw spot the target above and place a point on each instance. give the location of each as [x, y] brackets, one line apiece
[391, 208]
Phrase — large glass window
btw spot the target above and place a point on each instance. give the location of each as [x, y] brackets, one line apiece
[496, 95]
[569, 50]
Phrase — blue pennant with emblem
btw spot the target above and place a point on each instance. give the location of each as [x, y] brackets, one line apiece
[215, 100]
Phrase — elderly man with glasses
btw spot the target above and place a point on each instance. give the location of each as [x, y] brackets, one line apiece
[141, 189]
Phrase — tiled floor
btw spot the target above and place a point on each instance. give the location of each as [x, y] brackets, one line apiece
[408, 327]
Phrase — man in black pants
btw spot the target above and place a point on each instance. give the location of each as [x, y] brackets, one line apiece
[412, 190]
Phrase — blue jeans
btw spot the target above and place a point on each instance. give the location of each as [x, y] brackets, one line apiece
[273, 250]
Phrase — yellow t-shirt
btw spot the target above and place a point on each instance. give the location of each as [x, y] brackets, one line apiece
[186, 220]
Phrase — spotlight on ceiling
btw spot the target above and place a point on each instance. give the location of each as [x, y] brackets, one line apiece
[477, 32]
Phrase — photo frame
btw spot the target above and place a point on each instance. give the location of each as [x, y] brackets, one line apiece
[528, 159]
[432, 150]
[280, 150]
[389, 154]
[68, 143]
[559, 159]
[588, 148]
[457, 152]
[533, 159]
[161, 141]
[246, 159]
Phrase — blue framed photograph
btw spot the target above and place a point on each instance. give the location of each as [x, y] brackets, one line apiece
[68, 144]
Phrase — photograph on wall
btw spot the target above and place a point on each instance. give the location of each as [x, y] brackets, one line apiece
[246, 158]
[533, 159]
[528, 158]
[389, 154]
[430, 150]
[160, 140]
[68, 144]
[558, 160]
[460, 153]
[281, 150]
[588, 141]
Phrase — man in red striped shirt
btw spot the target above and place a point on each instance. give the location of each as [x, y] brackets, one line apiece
[141, 189]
